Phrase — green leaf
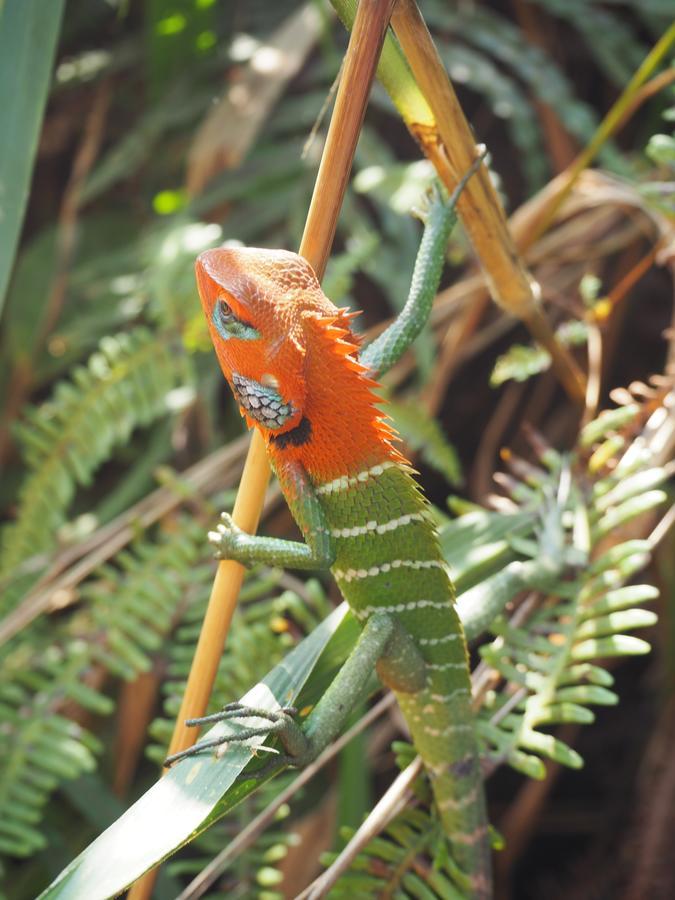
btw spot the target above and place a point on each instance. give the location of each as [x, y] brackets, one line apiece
[423, 433]
[616, 622]
[618, 645]
[608, 421]
[477, 544]
[661, 149]
[621, 598]
[192, 795]
[29, 30]
[521, 362]
[587, 693]
[552, 747]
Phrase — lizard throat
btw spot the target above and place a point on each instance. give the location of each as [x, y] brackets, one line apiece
[262, 403]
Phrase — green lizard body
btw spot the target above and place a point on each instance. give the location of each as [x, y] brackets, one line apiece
[297, 373]
[388, 560]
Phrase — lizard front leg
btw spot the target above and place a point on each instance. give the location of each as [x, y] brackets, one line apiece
[439, 216]
[231, 542]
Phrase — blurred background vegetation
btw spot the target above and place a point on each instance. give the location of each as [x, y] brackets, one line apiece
[174, 125]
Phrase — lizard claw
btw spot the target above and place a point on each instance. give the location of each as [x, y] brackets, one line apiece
[280, 721]
[225, 538]
[433, 195]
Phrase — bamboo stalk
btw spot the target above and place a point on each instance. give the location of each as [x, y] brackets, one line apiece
[360, 63]
[451, 147]
[365, 44]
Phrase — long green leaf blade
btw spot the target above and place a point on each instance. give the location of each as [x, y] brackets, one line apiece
[29, 30]
[189, 797]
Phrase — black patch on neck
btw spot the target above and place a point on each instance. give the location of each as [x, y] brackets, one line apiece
[296, 437]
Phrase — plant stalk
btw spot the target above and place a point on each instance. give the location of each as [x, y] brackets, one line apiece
[451, 147]
[615, 118]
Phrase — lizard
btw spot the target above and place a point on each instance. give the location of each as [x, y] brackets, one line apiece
[298, 374]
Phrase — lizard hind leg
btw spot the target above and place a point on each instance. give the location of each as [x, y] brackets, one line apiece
[303, 744]
[280, 722]
[401, 666]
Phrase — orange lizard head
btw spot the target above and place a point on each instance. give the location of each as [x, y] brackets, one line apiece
[256, 303]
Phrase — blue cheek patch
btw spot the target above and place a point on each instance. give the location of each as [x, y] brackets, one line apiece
[229, 327]
[261, 402]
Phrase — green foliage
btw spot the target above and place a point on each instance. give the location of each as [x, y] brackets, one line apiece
[148, 396]
[550, 661]
[408, 860]
[128, 383]
[423, 434]
[127, 614]
[521, 362]
[28, 38]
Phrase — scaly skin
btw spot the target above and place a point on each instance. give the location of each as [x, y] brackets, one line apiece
[293, 364]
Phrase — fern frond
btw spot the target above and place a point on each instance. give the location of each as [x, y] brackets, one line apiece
[423, 433]
[124, 385]
[39, 747]
[551, 663]
[126, 614]
[409, 859]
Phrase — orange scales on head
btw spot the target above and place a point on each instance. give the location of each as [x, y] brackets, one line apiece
[300, 346]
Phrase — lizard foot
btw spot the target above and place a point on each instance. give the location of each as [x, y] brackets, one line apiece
[226, 538]
[280, 722]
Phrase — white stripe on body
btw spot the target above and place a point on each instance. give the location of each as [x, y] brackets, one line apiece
[344, 482]
[377, 528]
[411, 606]
[356, 574]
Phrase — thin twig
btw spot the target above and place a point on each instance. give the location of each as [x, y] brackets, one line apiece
[620, 290]
[594, 373]
[391, 803]
[662, 527]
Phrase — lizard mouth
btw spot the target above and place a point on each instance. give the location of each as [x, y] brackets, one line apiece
[261, 402]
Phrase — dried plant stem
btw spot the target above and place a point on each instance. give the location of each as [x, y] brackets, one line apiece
[358, 72]
[390, 804]
[594, 373]
[626, 284]
[365, 44]
[58, 587]
[617, 116]
[479, 206]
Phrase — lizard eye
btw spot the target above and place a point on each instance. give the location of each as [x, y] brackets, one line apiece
[228, 325]
[225, 313]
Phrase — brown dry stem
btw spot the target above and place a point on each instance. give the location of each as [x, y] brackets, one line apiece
[452, 149]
